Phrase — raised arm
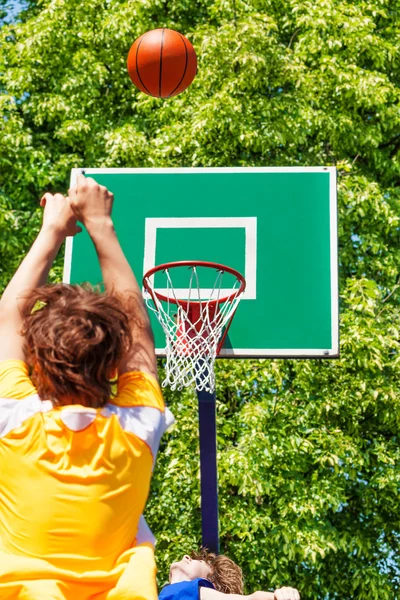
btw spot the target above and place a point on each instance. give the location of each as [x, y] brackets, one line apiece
[58, 222]
[285, 593]
[210, 594]
[92, 204]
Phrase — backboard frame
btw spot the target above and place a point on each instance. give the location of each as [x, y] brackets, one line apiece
[333, 351]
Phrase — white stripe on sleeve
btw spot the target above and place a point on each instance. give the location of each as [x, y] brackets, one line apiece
[147, 423]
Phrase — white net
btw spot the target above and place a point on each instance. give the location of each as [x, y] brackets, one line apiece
[193, 329]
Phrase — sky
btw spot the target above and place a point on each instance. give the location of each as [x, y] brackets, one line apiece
[13, 7]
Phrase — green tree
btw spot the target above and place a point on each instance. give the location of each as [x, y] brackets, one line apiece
[308, 450]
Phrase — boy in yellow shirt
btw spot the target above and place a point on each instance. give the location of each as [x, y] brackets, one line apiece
[75, 462]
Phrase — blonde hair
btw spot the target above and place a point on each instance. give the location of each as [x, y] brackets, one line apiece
[226, 576]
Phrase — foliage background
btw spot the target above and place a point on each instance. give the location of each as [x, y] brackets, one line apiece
[309, 467]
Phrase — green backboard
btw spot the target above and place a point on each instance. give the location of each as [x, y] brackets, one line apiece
[277, 226]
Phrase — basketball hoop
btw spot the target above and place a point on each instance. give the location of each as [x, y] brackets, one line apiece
[196, 324]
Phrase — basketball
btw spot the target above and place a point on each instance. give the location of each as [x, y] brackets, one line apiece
[162, 63]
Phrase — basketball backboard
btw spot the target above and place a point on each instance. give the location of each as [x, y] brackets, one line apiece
[277, 226]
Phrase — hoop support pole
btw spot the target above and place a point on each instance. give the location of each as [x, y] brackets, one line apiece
[208, 470]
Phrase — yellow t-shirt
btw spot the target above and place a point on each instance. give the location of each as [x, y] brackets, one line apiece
[73, 485]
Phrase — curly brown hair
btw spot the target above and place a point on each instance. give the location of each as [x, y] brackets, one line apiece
[226, 576]
[75, 338]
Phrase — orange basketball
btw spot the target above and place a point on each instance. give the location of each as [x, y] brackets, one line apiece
[162, 63]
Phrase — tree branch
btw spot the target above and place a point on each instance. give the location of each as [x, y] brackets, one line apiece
[396, 286]
[390, 142]
[293, 36]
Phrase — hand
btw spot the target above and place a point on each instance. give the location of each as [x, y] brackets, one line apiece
[58, 215]
[92, 203]
[286, 593]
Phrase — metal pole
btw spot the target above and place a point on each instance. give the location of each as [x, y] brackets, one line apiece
[208, 470]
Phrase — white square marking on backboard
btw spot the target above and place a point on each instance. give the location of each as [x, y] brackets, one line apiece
[249, 224]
